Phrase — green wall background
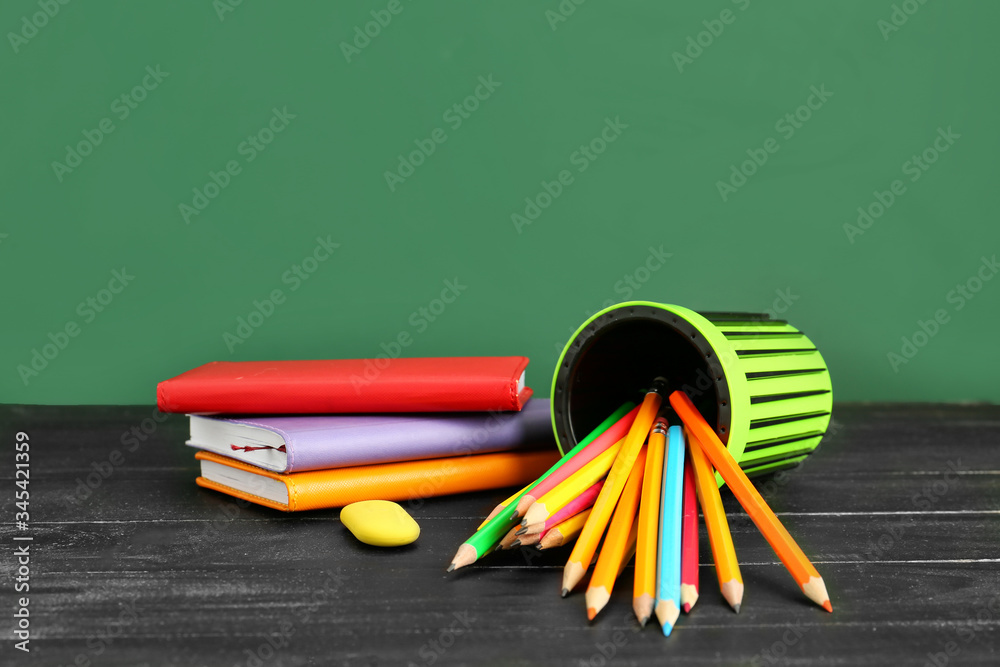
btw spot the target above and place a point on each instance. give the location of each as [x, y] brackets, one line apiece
[780, 236]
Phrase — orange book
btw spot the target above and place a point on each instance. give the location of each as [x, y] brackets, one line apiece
[321, 489]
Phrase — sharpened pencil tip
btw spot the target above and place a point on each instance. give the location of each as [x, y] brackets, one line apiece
[815, 590]
[667, 613]
[736, 608]
[686, 607]
[466, 555]
[515, 543]
[591, 613]
[565, 592]
[643, 621]
[522, 530]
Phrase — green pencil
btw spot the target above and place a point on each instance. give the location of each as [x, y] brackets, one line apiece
[486, 538]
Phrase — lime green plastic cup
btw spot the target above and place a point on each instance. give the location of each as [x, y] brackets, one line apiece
[759, 381]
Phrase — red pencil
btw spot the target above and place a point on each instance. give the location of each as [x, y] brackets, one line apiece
[689, 541]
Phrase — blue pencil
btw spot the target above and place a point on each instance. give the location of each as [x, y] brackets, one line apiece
[668, 569]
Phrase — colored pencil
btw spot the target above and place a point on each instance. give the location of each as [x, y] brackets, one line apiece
[583, 501]
[689, 541]
[573, 486]
[507, 542]
[788, 551]
[644, 590]
[527, 540]
[486, 538]
[629, 546]
[668, 571]
[609, 563]
[727, 568]
[607, 439]
[499, 508]
[564, 532]
[593, 530]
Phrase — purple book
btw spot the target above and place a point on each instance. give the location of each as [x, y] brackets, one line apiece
[299, 443]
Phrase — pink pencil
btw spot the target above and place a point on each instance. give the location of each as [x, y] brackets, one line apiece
[689, 541]
[617, 431]
[583, 501]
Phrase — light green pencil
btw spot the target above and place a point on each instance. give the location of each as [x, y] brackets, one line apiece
[486, 538]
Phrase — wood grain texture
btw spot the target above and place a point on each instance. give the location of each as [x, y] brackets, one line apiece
[899, 509]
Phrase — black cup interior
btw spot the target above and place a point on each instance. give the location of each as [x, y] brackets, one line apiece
[616, 358]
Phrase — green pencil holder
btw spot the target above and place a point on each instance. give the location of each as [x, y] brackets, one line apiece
[760, 382]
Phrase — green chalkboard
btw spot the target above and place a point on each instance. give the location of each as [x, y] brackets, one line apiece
[187, 182]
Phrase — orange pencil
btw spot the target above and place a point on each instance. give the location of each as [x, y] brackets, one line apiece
[586, 544]
[727, 568]
[644, 591]
[633, 535]
[788, 551]
[689, 542]
[609, 563]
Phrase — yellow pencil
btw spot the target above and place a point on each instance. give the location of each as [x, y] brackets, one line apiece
[723, 552]
[609, 563]
[564, 532]
[572, 486]
[593, 530]
[644, 592]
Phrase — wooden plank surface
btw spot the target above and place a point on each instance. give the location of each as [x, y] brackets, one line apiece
[899, 509]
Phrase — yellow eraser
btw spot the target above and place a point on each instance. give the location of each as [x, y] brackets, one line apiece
[380, 523]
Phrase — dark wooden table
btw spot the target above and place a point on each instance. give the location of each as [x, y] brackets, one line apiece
[899, 509]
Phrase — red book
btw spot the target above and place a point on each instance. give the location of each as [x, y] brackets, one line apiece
[443, 384]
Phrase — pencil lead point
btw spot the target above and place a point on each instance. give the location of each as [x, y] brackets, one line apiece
[828, 606]
[736, 607]
[515, 543]
[667, 613]
[686, 607]
[643, 621]
[591, 613]
[565, 592]
[451, 567]
[522, 530]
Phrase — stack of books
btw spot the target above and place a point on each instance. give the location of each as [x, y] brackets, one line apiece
[302, 435]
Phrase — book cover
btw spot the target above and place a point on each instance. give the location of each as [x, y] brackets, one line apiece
[317, 442]
[322, 489]
[441, 384]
